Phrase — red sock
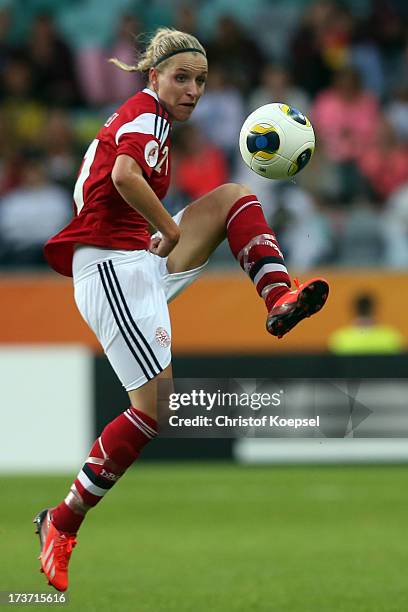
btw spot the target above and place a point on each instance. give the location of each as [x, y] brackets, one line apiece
[256, 248]
[113, 452]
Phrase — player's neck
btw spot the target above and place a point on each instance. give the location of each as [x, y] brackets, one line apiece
[150, 90]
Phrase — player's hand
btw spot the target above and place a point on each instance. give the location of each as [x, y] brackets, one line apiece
[163, 245]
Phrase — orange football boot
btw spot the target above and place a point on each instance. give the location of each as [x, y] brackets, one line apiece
[56, 550]
[293, 306]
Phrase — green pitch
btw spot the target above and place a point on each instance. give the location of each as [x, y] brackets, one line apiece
[223, 538]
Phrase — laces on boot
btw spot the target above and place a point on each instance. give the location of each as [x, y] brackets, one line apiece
[63, 550]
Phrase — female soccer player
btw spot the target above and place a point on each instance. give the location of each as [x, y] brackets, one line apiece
[124, 277]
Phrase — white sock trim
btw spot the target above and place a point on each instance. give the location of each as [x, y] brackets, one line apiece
[255, 202]
[268, 288]
[269, 267]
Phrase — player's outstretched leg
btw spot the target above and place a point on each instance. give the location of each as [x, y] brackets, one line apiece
[256, 248]
[118, 446]
[231, 211]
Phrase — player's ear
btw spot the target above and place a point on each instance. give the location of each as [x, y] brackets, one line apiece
[153, 78]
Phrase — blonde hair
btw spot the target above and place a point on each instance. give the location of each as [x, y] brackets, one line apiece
[164, 42]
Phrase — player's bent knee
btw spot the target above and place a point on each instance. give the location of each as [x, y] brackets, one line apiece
[228, 194]
[233, 191]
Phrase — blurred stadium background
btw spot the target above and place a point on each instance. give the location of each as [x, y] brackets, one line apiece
[210, 531]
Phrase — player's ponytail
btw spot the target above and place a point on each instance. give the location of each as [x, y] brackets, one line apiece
[164, 43]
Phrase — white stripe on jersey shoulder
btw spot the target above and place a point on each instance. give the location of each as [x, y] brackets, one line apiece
[151, 93]
[146, 123]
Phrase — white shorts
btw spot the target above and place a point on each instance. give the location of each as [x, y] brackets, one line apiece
[123, 297]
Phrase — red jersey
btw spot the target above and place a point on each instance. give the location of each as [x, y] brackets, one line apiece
[140, 128]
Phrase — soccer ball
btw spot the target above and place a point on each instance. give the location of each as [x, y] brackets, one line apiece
[276, 141]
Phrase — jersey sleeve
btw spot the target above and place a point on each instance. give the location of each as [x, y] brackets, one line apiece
[142, 138]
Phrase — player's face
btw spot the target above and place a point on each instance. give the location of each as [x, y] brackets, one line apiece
[180, 84]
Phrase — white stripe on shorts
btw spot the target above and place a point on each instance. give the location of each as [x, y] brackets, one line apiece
[135, 340]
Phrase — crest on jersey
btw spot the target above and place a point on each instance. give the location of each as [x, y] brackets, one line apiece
[151, 153]
[162, 337]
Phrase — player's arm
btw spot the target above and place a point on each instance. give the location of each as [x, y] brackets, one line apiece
[127, 176]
